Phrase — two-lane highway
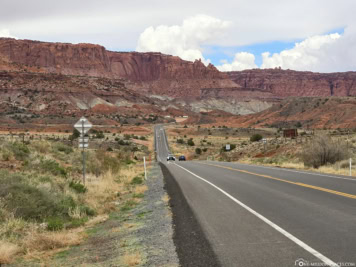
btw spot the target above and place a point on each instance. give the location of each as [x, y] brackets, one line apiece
[262, 216]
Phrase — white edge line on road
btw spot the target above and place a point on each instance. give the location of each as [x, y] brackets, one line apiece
[289, 170]
[273, 225]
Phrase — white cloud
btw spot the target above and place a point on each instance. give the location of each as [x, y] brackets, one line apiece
[322, 53]
[185, 40]
[306, 55]
[6, 33]
[242, 61]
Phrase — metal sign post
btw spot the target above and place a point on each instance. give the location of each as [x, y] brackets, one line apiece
[264, 140]
[83, 126]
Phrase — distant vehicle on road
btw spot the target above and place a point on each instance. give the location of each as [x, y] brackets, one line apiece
[181, 158]
[171, 157]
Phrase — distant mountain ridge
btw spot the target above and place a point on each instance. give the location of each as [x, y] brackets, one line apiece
[87, 77]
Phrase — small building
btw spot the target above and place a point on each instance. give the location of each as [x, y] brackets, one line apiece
[291, 133]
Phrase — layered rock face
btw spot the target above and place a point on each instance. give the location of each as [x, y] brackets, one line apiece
[286, 83]
[152, 72]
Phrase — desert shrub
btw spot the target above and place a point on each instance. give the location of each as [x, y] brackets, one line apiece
[88, 211]
[77, 222]
[52, 167]
[143, 138]
[205, 149]
[136, 180]
[190, 142]
[323, 150]
[74, 135]
[134, 149]
[29, 202]
[127, 136]
[101, 161]
[77, 187]
[345, 164]
[198, 151]
[180, 141]
[6, 155]
[20, 151]
[64, 148]
[123, 143]
[256, 138]
[55, 224]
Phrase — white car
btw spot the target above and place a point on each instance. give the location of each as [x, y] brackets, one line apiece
[171, 157]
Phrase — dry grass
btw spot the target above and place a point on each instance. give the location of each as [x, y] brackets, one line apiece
[140, 189]
[98, 219]
[132, 259]
[37, 242]
[8, 252]
[102, 191]
[165, 199]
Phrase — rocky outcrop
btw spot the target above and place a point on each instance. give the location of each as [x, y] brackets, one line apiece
[150, 72]
[280, 84]
[306, 112]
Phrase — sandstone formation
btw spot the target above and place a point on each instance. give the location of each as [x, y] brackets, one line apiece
[150, 72]
[48, 79]
[279, 84]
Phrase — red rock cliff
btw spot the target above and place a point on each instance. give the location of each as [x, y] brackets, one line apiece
[95, 60]
[286, 83]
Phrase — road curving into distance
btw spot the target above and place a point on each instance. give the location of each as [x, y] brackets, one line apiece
[264, 216]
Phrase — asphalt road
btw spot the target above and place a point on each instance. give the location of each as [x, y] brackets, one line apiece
[262, 216]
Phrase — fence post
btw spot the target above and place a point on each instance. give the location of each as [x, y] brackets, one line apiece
[144, 164]
[350, 166]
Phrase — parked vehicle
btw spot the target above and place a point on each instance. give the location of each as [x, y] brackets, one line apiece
[181, 158]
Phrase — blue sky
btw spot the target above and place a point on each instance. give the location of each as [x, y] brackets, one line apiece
[218, 53]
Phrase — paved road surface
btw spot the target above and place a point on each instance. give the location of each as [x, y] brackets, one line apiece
[262, 216]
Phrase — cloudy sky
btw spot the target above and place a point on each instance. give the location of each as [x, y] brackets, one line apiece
[314, 35]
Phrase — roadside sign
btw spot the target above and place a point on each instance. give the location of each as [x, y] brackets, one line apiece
[227, 147]
[84, 140]
[264, 140]
[83, 125]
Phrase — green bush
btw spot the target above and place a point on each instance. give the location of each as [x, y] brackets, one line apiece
[29, 202]
[180, 141]
[123, 143]
[136, 180]
[88, 211]
[74, 135]
[20, 151]
[64, 148]
[77, 222]
[77, 187]
[190, 142]
[198, 151]
[52, 167]
[55, 224]
[256, 138]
